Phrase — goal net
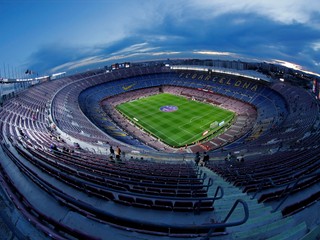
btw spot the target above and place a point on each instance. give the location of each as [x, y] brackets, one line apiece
[214, 124]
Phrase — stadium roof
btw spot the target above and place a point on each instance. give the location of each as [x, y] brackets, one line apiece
[242, 73]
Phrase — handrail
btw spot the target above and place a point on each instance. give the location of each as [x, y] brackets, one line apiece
[215, 197]
[201, 175]
[224, 222]
[210, 183]
[216, 193]
[248, 175]
[260, 187]
[295, 182]
[292, 188]
[245, 208]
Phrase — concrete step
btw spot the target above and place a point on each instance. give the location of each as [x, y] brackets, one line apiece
[260, 220]
[312, 234]
[292, 234]
[264, 231]
[253, 213]
[261, 223]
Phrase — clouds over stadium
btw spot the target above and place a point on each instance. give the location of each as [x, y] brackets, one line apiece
[97, 33]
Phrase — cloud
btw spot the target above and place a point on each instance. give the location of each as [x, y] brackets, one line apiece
[287, 64]
[164, 53]
[49, 56]
[94, 60]
[316, 46]
[214, 53]
[135, 48]
[284, 11]
[251, 29]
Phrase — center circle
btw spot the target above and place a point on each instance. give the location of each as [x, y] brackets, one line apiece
[169, 108]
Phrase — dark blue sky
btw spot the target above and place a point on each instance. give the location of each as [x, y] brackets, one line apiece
[49, 36]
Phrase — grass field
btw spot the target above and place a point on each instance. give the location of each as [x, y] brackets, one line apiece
[177, 128]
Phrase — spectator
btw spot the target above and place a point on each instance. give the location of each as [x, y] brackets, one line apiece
[206, 158]
[111, 151]
[111, 158]
[228, 158]
[201, 163]
[197, 158]
[118, 153]
[53, 148]
[64, 150]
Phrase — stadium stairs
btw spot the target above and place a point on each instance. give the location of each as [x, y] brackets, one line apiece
[262, 223]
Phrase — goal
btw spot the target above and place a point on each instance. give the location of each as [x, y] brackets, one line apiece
[214, 124]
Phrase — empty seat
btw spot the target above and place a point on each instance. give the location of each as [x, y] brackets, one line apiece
[204, 205]
[163, 205]
[183, 206]
[126, 200]
[142, 202]
[168, 192]
[184, 193]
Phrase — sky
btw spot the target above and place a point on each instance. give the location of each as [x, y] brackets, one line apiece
[50, 36]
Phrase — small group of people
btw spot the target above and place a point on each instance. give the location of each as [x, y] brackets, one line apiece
[115, 153]
[231, 157]
[228, 157]
[65, 150]
[201, 162]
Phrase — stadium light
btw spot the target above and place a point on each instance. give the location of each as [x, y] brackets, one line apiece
[58, 74]
[39, 78]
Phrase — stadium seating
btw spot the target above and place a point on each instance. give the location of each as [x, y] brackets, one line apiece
[55, 140]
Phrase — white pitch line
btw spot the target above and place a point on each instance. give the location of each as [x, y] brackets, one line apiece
[180, 127]
[160, 132]
[195, 136]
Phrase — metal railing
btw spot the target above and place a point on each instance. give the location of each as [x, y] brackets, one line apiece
[287, 191]
[224, 223]
[289, 188]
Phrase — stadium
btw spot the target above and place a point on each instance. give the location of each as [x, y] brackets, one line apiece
[61, 180]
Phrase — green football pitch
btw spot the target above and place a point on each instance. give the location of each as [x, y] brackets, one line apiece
[175, 120]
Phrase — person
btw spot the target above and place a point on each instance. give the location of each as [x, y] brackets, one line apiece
[111, 158]
[111, 151]
[118, 153]
[197, 158]
[206, 158]
[64, 150]
[21, 133]
[228, 158]
[201, 163]
[240, 158]
[53, 148]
